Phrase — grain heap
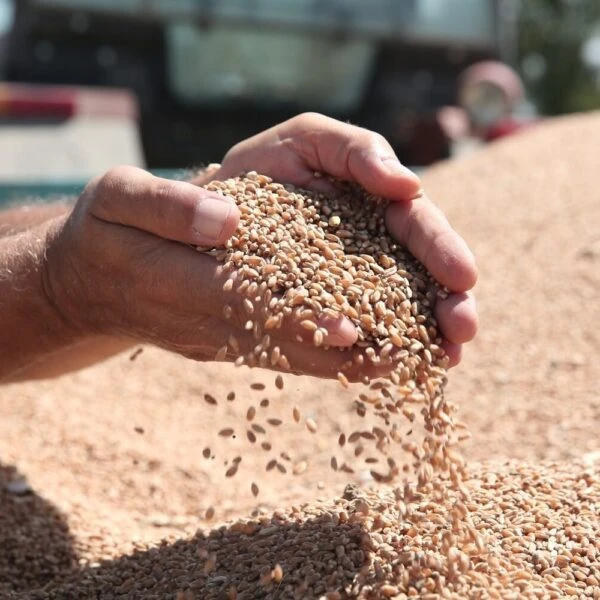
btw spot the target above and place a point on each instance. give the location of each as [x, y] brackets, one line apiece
[541, 541]
[304, 257]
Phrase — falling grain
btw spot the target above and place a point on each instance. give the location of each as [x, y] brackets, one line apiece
[135, 354]
[311, 425]
[296, 414]
[209, 399]
[300, 467]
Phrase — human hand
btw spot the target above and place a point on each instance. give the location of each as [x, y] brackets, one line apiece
[122, 265]
[300, 149]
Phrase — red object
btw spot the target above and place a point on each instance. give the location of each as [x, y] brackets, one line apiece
[34, 101]
[506, 127]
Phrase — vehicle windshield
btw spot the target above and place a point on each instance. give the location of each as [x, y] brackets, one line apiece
[217, 65]
[310, 52]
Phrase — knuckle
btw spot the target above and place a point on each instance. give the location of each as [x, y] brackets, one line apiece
[313, 118]
[112, 181]
[173, 200]
[377, 139]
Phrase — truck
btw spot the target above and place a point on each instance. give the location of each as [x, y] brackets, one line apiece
[208, 73]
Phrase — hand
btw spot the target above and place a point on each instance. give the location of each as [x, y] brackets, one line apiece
[121, 265]
[296, 150]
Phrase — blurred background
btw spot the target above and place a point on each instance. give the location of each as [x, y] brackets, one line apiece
[170, 84]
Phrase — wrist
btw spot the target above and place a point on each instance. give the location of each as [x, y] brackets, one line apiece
[60, 285]
[30, 317]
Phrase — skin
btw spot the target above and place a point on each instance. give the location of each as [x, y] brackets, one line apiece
[81, 283]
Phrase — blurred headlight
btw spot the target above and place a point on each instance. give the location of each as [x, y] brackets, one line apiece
[485, 103]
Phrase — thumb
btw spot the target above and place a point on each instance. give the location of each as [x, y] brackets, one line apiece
[173, 210]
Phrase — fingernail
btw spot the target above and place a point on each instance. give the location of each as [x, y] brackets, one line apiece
[395, 167]
[211, 218]
[341, 332]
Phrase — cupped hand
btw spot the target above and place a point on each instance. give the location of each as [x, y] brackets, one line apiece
[300, 151]
[122, 265]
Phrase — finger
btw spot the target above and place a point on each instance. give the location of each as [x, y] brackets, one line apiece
[179, 278]
[214, 335]
[311, 143]
[174, 210]
[340, 332]
[424, 230]
[453, 352]
[351, 153]
[457, 317]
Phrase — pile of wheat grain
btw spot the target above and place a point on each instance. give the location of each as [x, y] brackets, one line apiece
[533, 534]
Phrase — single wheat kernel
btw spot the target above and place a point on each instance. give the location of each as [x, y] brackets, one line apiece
[309, 325]
[210, 399]
[318, 337]
[232, 470]
[277, 573]
[311, 425]
[343, 380]
[248, 306]
[135, 354]
[300, 467]
[221, 354]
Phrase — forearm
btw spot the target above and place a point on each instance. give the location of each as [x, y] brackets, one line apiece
[36, 340]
